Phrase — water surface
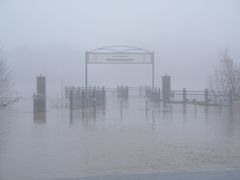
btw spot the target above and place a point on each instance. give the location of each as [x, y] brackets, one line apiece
[118, 139]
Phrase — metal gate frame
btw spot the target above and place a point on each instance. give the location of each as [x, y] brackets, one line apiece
[115, 49]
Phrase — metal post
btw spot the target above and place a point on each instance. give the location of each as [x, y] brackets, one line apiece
[86, 69]
[71, 104]
[71, 100]
[103, 95]
[195, 105]
[146, 104]
[230, 97]
[159, 92]
[83, 99]
[184, 96]
[206, 97]
[146, 109]
[152, 69]
[121, 101]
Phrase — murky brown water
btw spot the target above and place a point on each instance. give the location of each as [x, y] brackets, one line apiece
[117, 140]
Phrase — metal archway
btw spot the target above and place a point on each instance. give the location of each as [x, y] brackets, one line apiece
[118, 55]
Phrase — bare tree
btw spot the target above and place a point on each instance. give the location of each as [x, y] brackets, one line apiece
[226, 76]
[5, 83]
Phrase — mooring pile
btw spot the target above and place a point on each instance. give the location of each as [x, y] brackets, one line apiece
[80, 97]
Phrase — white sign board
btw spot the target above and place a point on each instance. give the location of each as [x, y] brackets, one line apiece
[119, 58]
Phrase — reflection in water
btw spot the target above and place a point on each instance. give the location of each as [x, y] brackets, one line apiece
[195, 110]
[167, 110]
[39, 109]
[206, 112]
[39, 117]
[146, 109]
[184, 110]
[231, 117]
[97, 141]
[121, 108]
[153, 119]
[39, 101]
[87, 116]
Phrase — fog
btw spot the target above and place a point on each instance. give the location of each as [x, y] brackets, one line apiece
[180, 129]
[50, 37]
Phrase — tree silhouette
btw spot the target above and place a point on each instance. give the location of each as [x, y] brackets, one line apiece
[226, 76]
[5, 83]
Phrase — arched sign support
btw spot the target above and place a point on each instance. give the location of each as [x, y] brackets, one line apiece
[118, 55]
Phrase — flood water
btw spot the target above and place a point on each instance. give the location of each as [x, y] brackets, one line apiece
[122, 138]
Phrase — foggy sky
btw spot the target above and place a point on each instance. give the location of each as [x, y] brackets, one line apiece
[50, 37]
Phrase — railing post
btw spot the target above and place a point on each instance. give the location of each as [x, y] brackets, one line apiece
[230, 97]
[184, 95]
[83, 99]
[104, 95]
[71, 104]
[159, 94]
[206, 97]
[71, 100]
